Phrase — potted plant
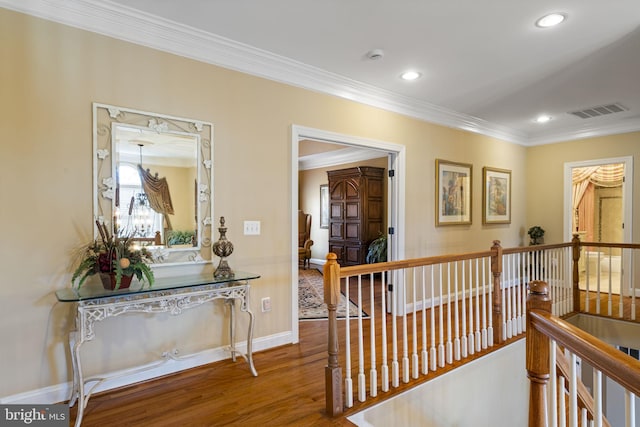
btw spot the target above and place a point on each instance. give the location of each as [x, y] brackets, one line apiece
[536, 233]
[377, 251]
[115, 259]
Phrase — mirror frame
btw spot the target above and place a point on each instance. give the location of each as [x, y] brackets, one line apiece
[105, 117]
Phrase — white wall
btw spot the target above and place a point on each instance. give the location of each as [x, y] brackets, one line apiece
[490, 392]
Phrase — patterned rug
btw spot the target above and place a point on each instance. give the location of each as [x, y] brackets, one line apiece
[311, 304]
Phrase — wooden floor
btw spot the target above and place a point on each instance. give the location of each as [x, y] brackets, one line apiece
[289, 391]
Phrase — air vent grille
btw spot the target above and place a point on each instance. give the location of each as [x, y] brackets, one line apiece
[600, 110]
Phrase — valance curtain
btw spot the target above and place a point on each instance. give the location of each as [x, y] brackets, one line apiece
[157, 191]
[585, 179]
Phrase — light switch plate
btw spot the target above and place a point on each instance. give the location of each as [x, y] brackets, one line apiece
[252, 228]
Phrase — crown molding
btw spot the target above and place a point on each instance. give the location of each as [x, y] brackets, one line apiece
[124, 23]
[131, 25]
[631, 124]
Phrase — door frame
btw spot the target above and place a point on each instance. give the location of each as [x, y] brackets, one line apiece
[627, 194]
[395, 197]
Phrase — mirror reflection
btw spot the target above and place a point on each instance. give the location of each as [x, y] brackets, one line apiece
[156, 186]
[153, 181]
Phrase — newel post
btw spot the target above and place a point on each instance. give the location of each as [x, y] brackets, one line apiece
[496, 270]
[333, 371]
[537, 355]
[576, 274]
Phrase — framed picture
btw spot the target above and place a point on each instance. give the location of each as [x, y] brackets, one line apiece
[453, 193]
[496, 196]
[324, 206]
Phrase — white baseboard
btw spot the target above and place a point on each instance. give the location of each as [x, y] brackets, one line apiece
[61, 392]
[317, 261]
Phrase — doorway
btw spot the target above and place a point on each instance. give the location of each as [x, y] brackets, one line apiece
[598, 200]
[395, 200]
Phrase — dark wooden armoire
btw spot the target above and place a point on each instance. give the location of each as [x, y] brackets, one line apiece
[356, 212]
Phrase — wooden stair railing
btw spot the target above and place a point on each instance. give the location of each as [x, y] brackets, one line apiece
[543, 327]
[508, 271]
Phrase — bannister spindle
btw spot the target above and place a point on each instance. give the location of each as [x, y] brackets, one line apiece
[576, 273]
[537, 353]
[333, 372]
[496, 270]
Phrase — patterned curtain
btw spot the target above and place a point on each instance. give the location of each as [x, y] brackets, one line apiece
[584, 181]
[157, 190]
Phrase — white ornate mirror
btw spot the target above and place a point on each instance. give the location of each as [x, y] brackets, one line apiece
[153, 180]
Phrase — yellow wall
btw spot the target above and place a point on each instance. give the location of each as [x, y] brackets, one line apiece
[545, 169]
[49, 78]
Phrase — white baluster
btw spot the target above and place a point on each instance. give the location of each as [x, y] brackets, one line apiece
[424, 354]
[395, 375]
[573, 392]
[562, 406]
[348, 382]
[362, 388]
[449, 343]
[553, 387]
[441, 346]
[405, 337]
[630, 409]
[383, 311]
[463, 341]
[456, 315]
[597, 398]
[434, 354]
[478, 334]
[373, 373]
[414, 352]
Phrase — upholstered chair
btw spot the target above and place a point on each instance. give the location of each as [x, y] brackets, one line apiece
[304, 238]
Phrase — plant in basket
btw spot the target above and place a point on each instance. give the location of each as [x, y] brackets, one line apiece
[115, 259]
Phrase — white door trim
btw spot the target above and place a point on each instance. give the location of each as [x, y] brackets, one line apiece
[397, 202]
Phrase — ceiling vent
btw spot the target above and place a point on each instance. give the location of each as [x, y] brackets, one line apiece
[601, 110]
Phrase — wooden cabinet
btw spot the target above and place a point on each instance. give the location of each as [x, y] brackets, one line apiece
[356, 212]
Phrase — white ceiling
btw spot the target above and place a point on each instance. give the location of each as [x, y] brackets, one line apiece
[485, 66]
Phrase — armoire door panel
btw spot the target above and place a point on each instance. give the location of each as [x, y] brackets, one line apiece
[336, 211]
[352, 231]
[352, 211]
[357, 211]
[336, 231]
[353, 255]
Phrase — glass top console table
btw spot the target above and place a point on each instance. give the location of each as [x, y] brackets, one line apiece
[168, 294]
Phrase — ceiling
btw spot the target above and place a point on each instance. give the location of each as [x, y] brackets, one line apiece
[485, 66]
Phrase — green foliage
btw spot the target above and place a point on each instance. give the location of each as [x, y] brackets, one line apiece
[109, 254]
[535, 233]
[377, 251]
[177, 237]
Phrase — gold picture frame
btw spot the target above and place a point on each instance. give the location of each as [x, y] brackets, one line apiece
[496, 196]
[453, 193]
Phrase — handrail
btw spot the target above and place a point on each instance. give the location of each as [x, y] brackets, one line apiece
[543, 327]
[355, 270]
[615, 364]
[611, 245]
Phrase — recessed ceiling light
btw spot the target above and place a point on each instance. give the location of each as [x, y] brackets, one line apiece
[551, 20]
[410, 75]
[543, 118]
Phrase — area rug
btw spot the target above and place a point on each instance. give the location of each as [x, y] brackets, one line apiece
[311, 304]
